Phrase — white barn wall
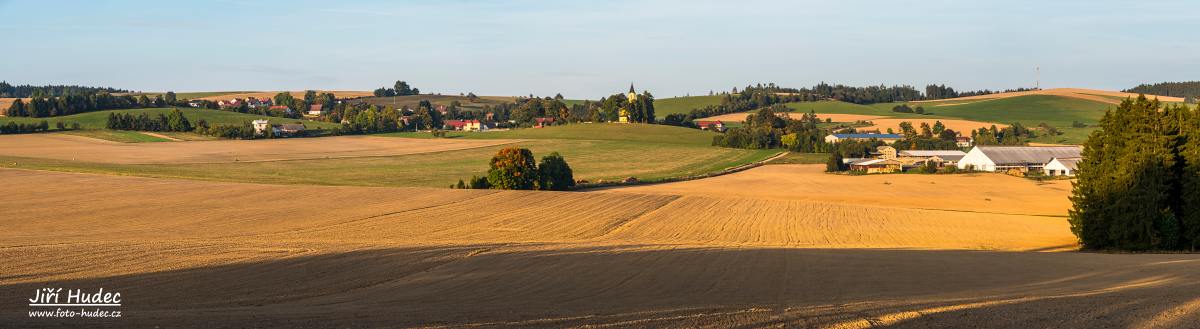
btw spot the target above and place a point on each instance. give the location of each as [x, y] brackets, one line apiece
[978, 160]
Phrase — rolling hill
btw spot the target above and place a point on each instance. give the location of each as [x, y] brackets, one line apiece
[98, 119]
[665, 106]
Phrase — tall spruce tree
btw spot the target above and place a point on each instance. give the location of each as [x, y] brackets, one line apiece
[1136, 185]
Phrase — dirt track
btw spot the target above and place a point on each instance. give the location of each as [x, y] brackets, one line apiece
[70, 147]
[187, 253]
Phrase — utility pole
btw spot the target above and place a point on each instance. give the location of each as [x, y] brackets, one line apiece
[1037, 84]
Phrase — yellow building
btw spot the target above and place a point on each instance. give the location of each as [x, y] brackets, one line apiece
[623, 113]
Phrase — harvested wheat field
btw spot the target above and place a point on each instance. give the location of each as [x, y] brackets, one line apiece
[741, 117]
[297, 94]
[1104, 96]
[70, 147]
[964, 126]
[6, 103]
[191, 253]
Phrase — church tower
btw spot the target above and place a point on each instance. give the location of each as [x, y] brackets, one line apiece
[632, 95]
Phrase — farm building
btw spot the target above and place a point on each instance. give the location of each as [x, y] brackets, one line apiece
[287, 129]
[1061, 166]
[877, 166]
[1023, 158]
[315, 110]
[886, 138]
[543, 122]
[941, 157]
[714, 125]
[964, 141]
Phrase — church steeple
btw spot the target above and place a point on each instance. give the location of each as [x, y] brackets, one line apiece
[631, 88]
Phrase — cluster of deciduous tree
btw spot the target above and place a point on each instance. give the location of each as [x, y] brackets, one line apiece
[904, 108]
[766, 129]
[1138, 183]
[1189, 90]
[514, 169]
[749, 99]
[24, 91]
[1014, 134]
[175, 121]
[526, 110]
[227, 131]
[401, 88]
[73, 104]
[943, 92]
[24, 128]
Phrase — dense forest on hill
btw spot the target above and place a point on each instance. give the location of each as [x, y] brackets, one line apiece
[1186, 89]
[24, 91]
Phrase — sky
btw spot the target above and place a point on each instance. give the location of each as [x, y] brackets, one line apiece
[590, 49]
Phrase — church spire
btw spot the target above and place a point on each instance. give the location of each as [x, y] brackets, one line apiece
[631, 88]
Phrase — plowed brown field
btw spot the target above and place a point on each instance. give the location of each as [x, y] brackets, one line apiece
[759, 254]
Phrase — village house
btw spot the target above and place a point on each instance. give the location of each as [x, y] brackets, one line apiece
[315, 110]
[454, 124]
[1019, 158]
[283, 130]
[886, 138]
[1061, 167]
[714, 125]
[543, 122]
[474, 125]
[964, 141]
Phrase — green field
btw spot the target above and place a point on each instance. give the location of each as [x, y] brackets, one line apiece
[1029, 110]
[801, 158]
[641, 133]
[595, 151]
[665, 106]
[836, 107]
[117, 135]
[98, 119]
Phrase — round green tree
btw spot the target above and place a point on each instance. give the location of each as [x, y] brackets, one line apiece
[513, 169]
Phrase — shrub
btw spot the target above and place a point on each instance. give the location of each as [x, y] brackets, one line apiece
[555, 174]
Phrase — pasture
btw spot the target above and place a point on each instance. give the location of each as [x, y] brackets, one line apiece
[595, 152]
[683, 104]
[270, 255]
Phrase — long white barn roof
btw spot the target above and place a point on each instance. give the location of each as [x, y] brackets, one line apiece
[1004, 155]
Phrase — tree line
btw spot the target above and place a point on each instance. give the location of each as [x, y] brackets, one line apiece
[26, 91]
[1189, 90]
[401, 88]
[943, 92]
[175, 121]
[514, 169]
[39, 107]
[1138, 183]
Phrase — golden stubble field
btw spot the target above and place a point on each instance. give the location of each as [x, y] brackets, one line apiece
[742, 250]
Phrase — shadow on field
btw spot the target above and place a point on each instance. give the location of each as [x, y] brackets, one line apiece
[556, 286]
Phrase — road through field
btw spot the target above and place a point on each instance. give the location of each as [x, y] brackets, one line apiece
[214, 254]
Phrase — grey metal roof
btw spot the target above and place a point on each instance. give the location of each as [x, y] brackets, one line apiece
[1070, 163]
[952, 158]
[929, 153]
[1020, 155]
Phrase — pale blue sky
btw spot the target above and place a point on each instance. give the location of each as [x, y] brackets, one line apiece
[587, 49]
